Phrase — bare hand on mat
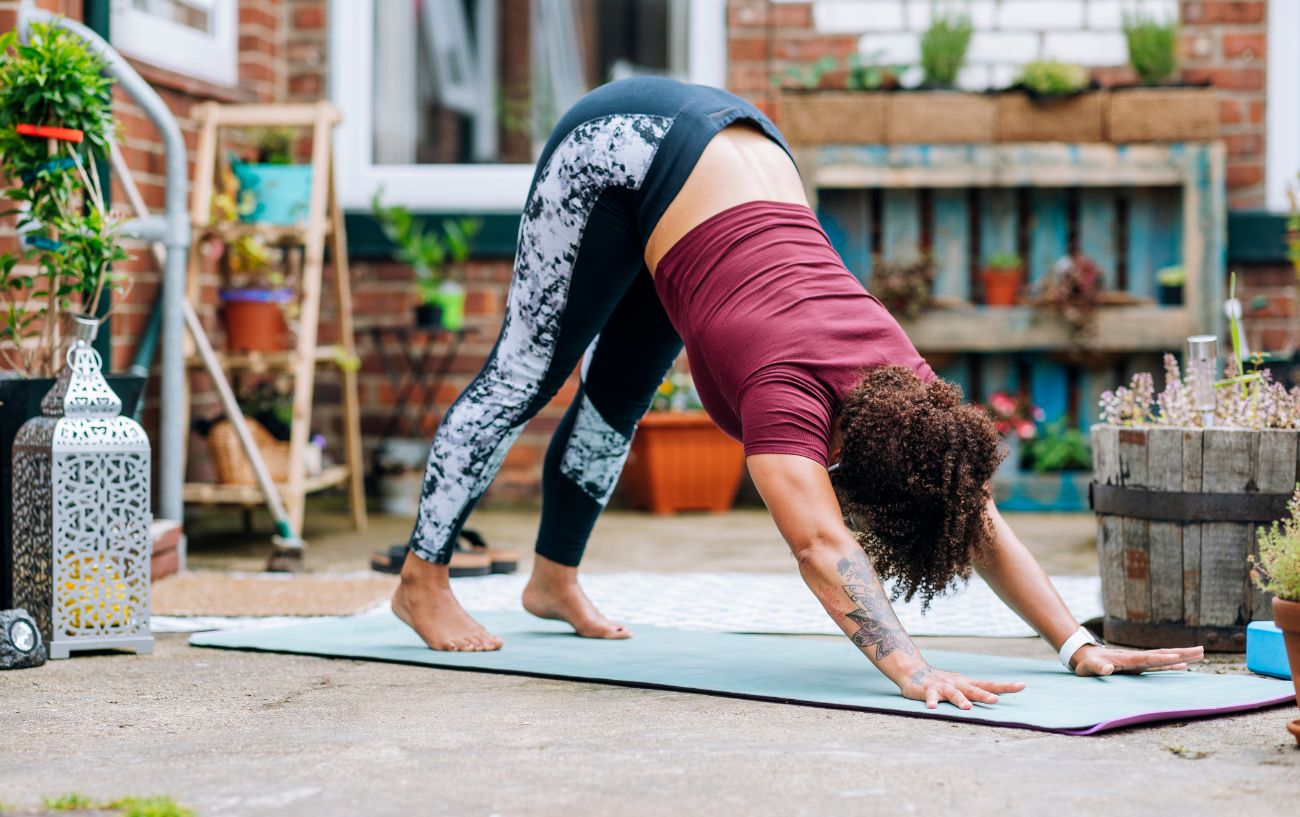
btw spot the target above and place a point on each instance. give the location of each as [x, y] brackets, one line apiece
[934, 685]
[1094, 660]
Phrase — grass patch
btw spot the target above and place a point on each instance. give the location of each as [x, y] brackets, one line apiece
[68, 802]
[126, 806]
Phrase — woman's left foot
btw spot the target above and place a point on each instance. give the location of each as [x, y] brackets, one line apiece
[553, 593]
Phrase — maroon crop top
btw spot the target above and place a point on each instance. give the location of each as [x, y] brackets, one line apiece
[777, 330]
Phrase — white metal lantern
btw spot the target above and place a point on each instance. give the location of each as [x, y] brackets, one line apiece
[81, 513]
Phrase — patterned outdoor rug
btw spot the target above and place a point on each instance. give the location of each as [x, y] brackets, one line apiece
[721, 602]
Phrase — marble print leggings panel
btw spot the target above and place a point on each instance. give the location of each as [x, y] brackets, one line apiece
[579, 286]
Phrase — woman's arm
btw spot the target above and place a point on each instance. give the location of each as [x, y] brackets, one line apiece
[799, 495]
[1018, 579]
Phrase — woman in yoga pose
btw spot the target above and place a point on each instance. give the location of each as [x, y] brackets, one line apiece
[662, 211]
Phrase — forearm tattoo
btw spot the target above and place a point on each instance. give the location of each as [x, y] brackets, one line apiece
[878, 626]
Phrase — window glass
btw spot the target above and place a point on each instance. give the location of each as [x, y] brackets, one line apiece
[483, 81]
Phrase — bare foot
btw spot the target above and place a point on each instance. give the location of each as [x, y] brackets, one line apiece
[425, 602]
[553, 593]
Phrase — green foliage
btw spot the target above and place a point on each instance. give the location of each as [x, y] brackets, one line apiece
[1277, 568]
[1003, 262]
[1293, 230]
[1059, 447]
[69, 802]
[904, 287]
[434, 254]
[1171, 276]
[57, 200]
[867, 73]
[943, 48]
[1053, 78]
[1152, 47]
[274, 145]
[807, 76]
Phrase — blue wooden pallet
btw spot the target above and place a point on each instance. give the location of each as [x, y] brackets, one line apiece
[1131, 232]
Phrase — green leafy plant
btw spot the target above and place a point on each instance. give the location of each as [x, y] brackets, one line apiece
[274, 145]
[1152, 46]
[807, 76]
[1051, 78]
[1276, 569]
[868, 73]
[1171, 276]
[1058, 447]
[69, 802]
[435, 255]
[1293, 230]
[943, 48]
[1072, 293]
[1007, 263]
[70, 237]
[904, 287]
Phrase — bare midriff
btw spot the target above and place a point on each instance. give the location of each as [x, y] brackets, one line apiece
[739, 165]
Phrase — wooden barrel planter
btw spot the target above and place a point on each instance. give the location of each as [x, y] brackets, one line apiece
[1177, 510]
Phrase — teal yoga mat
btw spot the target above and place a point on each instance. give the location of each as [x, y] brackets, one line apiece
[782, 669]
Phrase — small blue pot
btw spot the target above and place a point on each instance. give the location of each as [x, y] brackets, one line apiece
[282, 193]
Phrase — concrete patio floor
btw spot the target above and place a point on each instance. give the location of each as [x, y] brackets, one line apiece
[230, 733]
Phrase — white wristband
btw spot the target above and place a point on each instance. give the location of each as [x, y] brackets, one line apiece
[1072, 645]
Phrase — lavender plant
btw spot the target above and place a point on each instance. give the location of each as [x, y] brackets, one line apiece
[1248, 401]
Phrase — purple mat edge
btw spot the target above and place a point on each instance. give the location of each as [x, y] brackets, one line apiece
[1180, 714]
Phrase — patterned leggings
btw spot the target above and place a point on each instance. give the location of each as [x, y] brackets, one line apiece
[580, 287]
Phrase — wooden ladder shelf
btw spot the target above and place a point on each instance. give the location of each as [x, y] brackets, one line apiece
[324, 222]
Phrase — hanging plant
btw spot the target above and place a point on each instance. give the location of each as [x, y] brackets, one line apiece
[1072, 292]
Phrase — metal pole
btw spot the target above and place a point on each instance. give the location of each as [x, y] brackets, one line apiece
[171, 431]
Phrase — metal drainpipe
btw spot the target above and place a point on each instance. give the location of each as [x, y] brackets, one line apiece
[175, 238]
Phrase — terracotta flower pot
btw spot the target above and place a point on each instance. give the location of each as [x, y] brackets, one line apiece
[681, 461]
[1286, 614]
[254, 319]
[1001, 287]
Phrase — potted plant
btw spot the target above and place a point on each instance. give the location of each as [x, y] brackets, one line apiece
[437, 259]
[1170, 280]
[1051, 102]
[1276, 571]
[940, 114]
[680, 460]
[1178, 499]
[279, 189]
[1002, 276]
[813, 112]
[1156, 110]
[55, 122]
[1015, 418]
[1071, 293]
[904, 287]
[1057, 448]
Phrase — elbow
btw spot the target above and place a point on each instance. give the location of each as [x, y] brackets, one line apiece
[818, 547]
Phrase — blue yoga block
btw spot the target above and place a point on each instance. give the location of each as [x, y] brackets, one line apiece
[1265, 651]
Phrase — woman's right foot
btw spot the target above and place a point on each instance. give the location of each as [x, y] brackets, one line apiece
[424, 601]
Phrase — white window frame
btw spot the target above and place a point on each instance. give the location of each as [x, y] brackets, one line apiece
[1282, 152]
[211, 57]
[477, 188]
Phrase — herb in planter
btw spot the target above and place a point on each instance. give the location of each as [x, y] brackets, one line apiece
[274, 145]
[1152, 47]
[1059, 447]
[1050, 78]
[868, 73]
[904, 287]
[1071, 293]
[808, 77]
[1002, 275]
[943, 48]
[1277, 567]
[436, 256]
[1293, 230]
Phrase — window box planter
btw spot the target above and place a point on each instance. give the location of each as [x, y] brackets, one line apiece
[1078, 118]
[281, 193]
[834, 117]
[1162, 115]
[681, 461]
[1177, 510]
[20, 400]
[939, 117]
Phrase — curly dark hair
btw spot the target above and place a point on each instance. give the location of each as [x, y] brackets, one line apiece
[913, 479]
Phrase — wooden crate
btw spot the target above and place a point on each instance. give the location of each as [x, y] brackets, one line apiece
[1177, 512]
[1078, 118]
[1162, 115]
[833, 117]
[940, 117]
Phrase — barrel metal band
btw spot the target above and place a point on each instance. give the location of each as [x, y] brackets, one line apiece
[1186, 506]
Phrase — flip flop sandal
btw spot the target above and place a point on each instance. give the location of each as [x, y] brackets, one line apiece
[503, 560]
[463, 563]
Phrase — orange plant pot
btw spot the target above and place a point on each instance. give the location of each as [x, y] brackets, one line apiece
[1286, 614]
[254, 320]
[1001, 287]
[681, 461]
